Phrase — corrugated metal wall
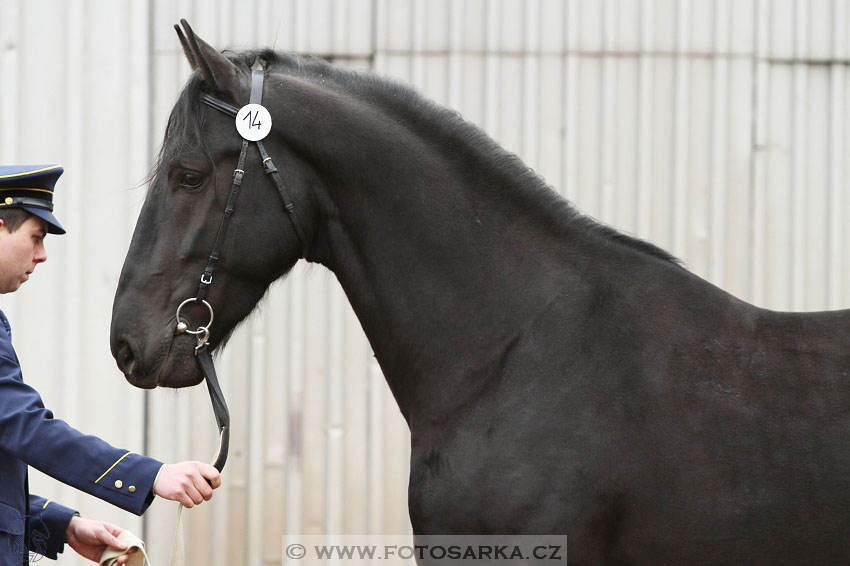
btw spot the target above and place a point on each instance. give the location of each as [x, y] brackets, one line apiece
[719, 130]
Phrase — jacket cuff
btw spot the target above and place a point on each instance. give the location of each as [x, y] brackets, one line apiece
[48, 523]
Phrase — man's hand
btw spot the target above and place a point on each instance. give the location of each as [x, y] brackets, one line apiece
[91, 538]
[190, 483]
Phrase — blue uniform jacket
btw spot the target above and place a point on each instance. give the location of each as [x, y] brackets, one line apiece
[29, 435]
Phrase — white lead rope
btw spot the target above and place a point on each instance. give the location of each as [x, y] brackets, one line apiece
[222, 419]
[178, 551]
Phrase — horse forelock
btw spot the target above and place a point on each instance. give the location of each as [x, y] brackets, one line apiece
[183, 130]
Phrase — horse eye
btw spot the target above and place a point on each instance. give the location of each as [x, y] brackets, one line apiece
[190, 180]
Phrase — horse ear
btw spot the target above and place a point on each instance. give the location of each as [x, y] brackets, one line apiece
[216, 70]
[187, 49]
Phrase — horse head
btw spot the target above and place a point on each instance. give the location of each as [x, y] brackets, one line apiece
[180, 221]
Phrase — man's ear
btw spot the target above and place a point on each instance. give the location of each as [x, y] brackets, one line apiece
[220, 75]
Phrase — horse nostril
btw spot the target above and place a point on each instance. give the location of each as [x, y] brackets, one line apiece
[125, 358]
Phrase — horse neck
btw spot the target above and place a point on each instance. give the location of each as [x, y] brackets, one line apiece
[440, 253]
[440, 287]
[439, 239]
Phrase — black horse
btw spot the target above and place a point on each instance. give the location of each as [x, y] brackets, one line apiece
[557, 376]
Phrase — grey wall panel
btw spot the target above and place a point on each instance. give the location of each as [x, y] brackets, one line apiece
[716, 129]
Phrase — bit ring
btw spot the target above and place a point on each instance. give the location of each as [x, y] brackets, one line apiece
[202, 330]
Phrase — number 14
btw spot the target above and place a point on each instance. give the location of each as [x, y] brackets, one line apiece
[253, 119]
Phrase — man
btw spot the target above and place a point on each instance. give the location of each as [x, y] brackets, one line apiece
[29, 435]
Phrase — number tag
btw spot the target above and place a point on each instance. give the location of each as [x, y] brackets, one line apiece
[253, 122]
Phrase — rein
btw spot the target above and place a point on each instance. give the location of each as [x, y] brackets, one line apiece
[202, 333]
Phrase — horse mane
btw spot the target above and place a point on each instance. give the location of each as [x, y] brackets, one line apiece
[419, 113]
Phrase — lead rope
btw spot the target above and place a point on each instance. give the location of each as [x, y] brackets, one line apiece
[222, 418]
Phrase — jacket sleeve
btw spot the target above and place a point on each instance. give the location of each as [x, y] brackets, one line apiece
[48, 523]
[31, 434]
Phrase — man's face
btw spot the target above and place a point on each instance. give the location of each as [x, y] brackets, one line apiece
[20, 252]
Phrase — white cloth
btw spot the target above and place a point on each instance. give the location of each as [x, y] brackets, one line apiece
[140, 558]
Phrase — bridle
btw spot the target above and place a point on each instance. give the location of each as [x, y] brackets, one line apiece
[202, 333]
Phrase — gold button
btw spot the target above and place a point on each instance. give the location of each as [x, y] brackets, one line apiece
[132, 489]
[119, 484]
[9, 200]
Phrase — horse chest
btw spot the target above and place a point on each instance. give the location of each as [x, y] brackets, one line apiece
[474, 481]
[453, 492]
